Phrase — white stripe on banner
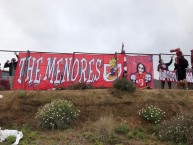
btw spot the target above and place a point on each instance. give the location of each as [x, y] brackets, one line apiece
[170, 76]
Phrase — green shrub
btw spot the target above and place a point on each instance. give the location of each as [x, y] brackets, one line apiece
[122, 129]
[59, 114]
[178, 130]
[124, 85]
[152, 114]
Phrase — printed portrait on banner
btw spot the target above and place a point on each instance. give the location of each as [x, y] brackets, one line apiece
[140, 71]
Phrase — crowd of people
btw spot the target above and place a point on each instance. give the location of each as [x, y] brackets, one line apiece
[180, 66]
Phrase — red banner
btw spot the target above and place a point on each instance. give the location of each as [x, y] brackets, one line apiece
[140, 71]
[42, 71]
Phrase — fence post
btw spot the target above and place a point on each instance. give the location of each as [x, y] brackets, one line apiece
[116, 63]
[25, 70]
[73, 57]
[160, 57]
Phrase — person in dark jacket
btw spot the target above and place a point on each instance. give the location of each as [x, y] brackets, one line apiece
[180, 69]
[164, 66]
[12, 67]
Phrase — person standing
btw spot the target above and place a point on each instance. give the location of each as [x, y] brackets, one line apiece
[191, 58]
[12, 67]
[180, 65]
[165, 66]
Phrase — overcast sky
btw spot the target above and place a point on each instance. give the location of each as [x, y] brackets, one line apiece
[145, 26]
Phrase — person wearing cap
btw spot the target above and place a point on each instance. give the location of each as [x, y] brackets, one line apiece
[164, 66]
[12, 67]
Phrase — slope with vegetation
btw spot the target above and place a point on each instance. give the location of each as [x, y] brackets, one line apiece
[107, 116]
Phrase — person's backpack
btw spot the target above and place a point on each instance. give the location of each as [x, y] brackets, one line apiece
[185, 63]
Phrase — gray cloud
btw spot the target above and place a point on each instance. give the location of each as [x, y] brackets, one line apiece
[97, 26]
[145, 26]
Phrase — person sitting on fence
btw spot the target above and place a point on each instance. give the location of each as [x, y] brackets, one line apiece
[164, 66]
[181, 65]
[12, 67]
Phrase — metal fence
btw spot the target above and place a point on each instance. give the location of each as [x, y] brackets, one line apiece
[8, 55]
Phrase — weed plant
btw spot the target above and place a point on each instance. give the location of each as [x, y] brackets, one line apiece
[21, 94]
[59, 114]
[139, 133]
[178, 130]
[152, 114]
[77, 86]
[10, 139]
[122, 129]
[129, 135]
[80, 86]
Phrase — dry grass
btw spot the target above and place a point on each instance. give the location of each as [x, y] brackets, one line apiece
[105, 126]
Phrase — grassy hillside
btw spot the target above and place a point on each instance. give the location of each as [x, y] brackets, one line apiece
[18, 109]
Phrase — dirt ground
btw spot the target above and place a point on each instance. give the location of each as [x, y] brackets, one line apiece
[19, 107]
